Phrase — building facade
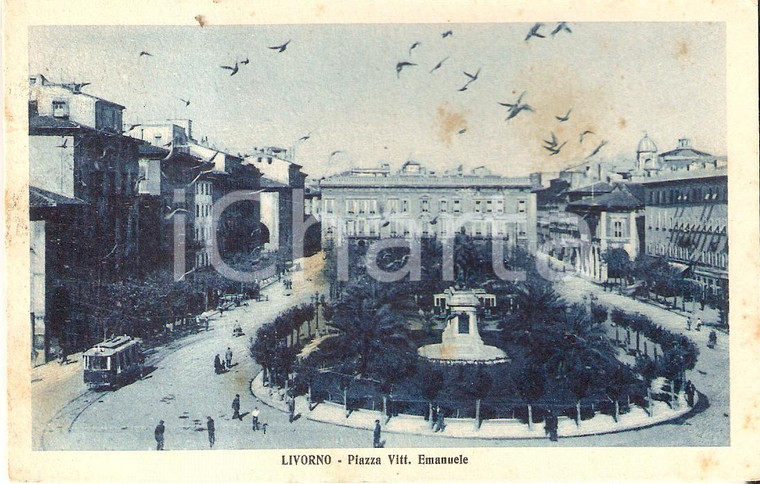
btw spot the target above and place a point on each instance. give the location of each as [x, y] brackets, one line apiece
[687, 223]
[282, 199]
[614, 220]
[415, 202]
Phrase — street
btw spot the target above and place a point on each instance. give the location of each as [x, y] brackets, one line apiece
[184, 390]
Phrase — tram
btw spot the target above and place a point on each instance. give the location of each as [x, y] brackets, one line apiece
[113, 362]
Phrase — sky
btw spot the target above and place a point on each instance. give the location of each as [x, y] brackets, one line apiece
[338, 84]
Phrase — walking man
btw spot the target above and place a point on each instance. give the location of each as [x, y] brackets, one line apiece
[236, 407]
[376, 435]
[255, 418]
[228, 357]
[291, 409]
[211, 432]
[159, 434]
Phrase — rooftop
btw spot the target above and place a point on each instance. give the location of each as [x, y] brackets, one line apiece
[39, 198]
[622, 197]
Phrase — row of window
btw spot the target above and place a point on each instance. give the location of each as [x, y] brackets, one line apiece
[661, 221]
[396, 205]
[662, 196]
[202, 234]
[203, 188]
[685, 253]
[395, 228]
[201, 259]
[202, 210]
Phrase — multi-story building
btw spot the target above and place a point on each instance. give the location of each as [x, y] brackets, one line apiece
[615, 220]
[282, 199]
[55, 222]
[77, 153]
[687, 222]
[375, 203]
[188, 178]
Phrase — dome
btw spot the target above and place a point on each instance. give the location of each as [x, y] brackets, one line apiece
[646, 145]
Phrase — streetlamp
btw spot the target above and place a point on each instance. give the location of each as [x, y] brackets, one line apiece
[317, 301]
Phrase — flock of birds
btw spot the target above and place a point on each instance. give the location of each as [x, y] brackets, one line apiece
[552, 145]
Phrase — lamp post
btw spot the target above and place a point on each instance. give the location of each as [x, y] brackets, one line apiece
[317, 301]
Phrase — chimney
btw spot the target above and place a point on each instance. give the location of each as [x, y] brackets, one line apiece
[684, 143]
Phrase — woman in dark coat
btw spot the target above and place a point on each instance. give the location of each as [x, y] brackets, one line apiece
[217, 364]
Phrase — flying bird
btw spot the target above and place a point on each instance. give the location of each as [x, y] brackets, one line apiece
[414, 46]
[580, 137]
[517, 109]
[386, 223]
[564, 118]
[555, 150]
[551, 143]
[335, 153]
[462, 131]
[438, 66]
[142, 53]
[186, 101]
[233, 69]
[534, 32]
[79, 85]
[63, 145]
[473, 77]
[448, 33]
[199, 175]
[133, 126]
[304, 138]
[596, 150]
[245, 62]
[561, 26]
[401, 65]
[280, 48]
[516, 103]
[174, 212]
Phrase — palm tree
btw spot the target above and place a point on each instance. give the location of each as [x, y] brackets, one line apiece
[366, 329]
[531, 386]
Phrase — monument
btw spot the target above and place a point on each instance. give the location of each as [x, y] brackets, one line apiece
[461, 340]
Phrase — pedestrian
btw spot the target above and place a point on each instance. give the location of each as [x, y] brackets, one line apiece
[712, 340]
[550, 426]
[699, 324]
[217, 364]
[211, 432]
[159, 434]
[291, 409]
[690, 393]
[205, 320]
[688, 323]
[264, 427]
[228, 357]
[434, 416]
[236, 407]
[376, 435]
[255, 418]
[439, 424]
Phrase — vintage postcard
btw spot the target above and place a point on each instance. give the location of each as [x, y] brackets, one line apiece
[337, 241]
